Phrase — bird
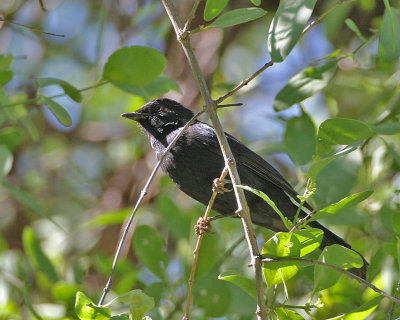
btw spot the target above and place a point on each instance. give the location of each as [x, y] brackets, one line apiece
[196, 161]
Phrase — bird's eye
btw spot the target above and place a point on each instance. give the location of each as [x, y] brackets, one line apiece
[161, 109]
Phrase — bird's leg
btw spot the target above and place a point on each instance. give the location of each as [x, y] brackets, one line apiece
[219, 185]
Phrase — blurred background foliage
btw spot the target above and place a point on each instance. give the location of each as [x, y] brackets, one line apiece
[66, 191]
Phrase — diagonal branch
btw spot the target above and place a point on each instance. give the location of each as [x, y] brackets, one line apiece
[210, 107]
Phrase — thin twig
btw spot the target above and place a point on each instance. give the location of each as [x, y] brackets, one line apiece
[198, 245]
[142, 195]
[191, 16]
[32, 28]
[210, 106]
[322, 16]
[245, 82]
[348, 273]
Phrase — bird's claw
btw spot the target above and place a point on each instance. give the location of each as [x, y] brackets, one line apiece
[203, 225]
[219, 186]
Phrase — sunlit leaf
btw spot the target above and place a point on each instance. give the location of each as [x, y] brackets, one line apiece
[286, 314]
[309, 239]
[237, 16]
[287, 26]
[86, 310]
[304, 85]
[214, 8]
[134, 65]
[281, 245]
[363, 311]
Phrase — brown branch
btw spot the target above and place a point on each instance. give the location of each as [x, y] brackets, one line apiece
[328, 265]
[210, 106]
[198, 245]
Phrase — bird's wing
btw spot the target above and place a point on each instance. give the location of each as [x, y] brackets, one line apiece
[247, 158]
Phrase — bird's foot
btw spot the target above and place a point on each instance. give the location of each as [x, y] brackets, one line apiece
[219, 185]
[203, 225]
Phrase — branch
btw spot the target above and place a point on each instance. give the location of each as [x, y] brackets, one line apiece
[198, 245]
[348, 273]
[139, 201]
[210, 107]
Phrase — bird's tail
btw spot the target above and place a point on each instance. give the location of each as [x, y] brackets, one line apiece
[330, 238]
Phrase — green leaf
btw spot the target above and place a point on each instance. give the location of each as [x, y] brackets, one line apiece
[304, 84]
[212, 295]
[237, 16]
[309, 239]
[389, 39]
[353, 27]
[281, 245]
[160, 85]
[344, 258]
[68, 88]
[121, 316]
[387, 128]
[241, 281]
[363, 311]
[140, 303]
[177, 222]
[6, 161]
[214, 8]
[288, 224]
[36, 255]
[256, 2]
[5, 76]
[58, 110]
[340, 131]
[343, 204]
[300, 138]
[150, 249]
[134, 65]
[85, 309]
[5, 61]
[286, 314]
[11, 137]
[287, 26]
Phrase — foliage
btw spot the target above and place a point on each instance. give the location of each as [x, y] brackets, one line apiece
[70, 168]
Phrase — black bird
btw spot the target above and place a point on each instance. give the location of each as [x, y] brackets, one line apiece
[196, 160]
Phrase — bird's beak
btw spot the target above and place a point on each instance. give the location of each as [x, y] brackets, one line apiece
[135, 115]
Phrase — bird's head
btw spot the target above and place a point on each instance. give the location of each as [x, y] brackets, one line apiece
[161, 116]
